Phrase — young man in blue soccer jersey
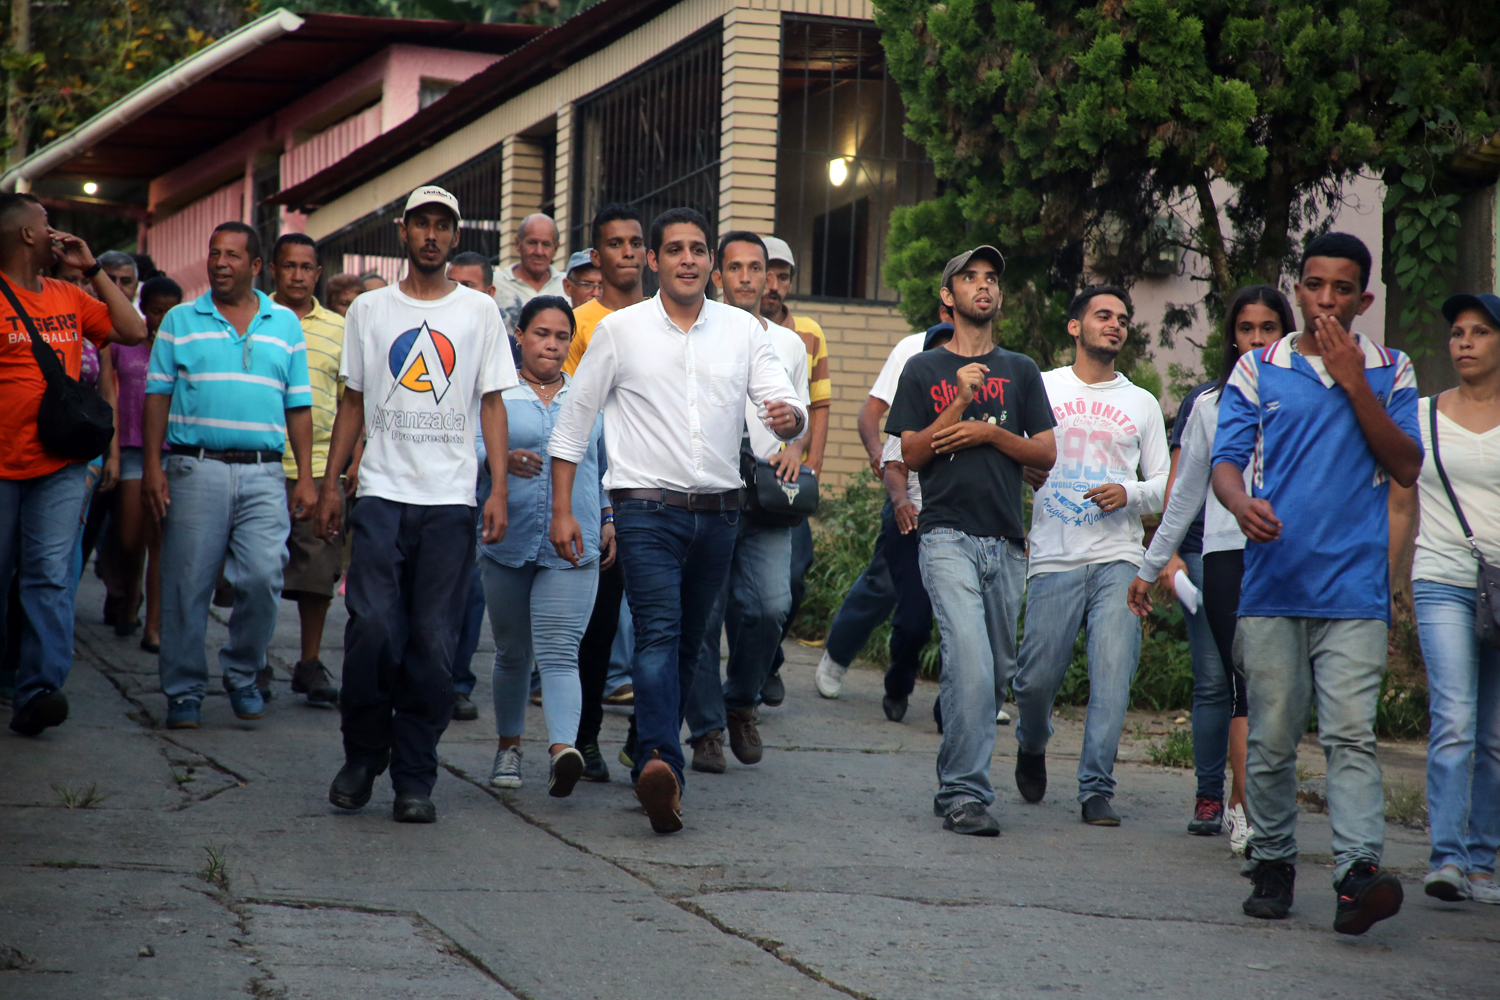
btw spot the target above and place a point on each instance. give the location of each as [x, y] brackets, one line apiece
[1321, 421]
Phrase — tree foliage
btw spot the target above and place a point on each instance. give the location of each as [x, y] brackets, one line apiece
[1097, 134]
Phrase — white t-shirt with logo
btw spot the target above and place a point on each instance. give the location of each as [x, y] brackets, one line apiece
[423, 366]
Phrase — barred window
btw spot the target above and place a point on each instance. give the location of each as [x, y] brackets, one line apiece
[651, 138]
[843, 161]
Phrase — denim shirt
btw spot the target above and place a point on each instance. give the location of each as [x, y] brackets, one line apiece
[529, 503]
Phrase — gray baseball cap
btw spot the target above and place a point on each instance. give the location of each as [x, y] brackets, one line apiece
[958, 263]
[580, 259]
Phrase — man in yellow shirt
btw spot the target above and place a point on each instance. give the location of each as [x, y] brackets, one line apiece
[620, 254]
[313, 568]
[780, 269]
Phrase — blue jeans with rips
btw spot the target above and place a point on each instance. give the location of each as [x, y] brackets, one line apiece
[1463, 744]
[38, 533]
[975, 585]
[754, 604]
[675, 562]
[1057, 604]
[234, 514]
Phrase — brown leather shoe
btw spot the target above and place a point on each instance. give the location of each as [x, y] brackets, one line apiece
[708, 752]
[744, 738]
[658, 792]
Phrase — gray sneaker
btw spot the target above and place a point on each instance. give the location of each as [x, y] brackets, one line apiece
[971, 818]
[507, 770]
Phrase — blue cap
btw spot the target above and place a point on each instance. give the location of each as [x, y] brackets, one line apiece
[936, 333]
[580, 259]
[1484, 302]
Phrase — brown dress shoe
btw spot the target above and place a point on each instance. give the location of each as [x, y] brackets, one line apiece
[708, 752]
[658, 792]
[744, 738]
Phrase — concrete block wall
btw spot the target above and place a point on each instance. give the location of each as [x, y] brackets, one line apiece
[521, 166]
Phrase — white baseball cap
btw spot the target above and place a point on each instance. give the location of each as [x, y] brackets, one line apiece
[777, 249]
[431, 194]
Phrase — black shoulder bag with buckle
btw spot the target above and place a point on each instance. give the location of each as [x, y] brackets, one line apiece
[74, 422]
[1487, 605]
[771, 502]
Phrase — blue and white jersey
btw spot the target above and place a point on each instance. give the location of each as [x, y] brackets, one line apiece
[1283, 417]
[229, 391]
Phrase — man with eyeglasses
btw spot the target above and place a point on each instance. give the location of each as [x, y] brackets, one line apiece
[583, 282]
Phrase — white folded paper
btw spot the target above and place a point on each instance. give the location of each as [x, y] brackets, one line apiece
[1186, 592]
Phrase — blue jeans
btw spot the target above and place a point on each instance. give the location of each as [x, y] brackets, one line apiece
[675, 563]
[754, 602]
[1212, 699]
[911, 625]
[975, 585]
[1288, 663]
[1463, 688]
[542, 612]
[622, 651]
[802, 560]
[38, 532]
[468, 635]
[1056, 605]
[230, 514]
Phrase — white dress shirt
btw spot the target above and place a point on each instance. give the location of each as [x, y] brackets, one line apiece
[673, 400]
[792, 351]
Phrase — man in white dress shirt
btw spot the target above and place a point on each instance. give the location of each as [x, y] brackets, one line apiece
[671, 375]
[757, 598]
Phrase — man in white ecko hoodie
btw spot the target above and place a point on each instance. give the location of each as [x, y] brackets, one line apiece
[1085, 548]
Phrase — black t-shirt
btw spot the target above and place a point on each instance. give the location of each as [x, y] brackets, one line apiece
[978, 490]
[1193, 540]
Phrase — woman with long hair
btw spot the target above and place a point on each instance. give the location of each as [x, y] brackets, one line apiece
[539, 602]
[1461, 440]
[1257, 316]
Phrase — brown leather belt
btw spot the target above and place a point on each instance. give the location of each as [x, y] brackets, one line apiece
[728, 500]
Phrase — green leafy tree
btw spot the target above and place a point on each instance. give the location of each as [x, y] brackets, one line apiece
[1082, 138]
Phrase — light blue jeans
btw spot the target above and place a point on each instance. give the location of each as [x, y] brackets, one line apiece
[1213, 702]
[1288, 663]
[1463, 744]
[38, 535]
[537, 611]
[234, 514]
[1057, 604]
[975, 585]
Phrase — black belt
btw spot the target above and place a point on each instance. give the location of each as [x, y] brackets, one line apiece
[231, 457]
[728, 500]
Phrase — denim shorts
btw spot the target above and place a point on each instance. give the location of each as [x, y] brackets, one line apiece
[130, 463]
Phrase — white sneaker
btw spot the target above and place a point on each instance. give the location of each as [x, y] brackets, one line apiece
[1447, 883]
[1484, 890]
[830, 676]
[507, 770]
[1239, 829]
[1002, 718]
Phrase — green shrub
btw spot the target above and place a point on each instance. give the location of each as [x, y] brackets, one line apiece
[1174, 751]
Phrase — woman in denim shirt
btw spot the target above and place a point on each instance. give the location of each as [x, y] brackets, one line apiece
[539, 603]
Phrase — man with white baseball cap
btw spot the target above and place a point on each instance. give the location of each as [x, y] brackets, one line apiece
[430, 356]
[781, 268]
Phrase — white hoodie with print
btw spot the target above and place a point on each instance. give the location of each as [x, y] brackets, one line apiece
[1109, 432]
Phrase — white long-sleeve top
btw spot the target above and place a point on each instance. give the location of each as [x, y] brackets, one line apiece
[1105, 433]
[673, 399]
[1193, 488]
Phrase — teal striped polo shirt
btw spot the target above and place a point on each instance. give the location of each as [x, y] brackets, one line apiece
[229, 392]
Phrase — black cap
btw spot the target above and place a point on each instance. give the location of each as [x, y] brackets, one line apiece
[958, 263]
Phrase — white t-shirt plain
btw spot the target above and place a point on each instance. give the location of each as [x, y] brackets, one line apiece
[792, 353]
[423, 366]
[1472, 462]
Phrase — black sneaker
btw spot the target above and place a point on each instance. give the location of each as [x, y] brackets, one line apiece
[1208, 818]
[464, 710]
[773, 692]
[1031, 775]
[594, 768]
[627, 752]
[895, 708]
[971, 818]
[1271, 899]
[50, 708]
[1098, 812]
[1366, 895]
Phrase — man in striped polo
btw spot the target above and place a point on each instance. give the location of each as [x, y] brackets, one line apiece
[227, 387]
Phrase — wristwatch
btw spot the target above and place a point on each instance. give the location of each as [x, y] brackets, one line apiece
[89, 272]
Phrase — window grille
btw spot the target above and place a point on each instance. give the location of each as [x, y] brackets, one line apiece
[651, 138]
[843, 161]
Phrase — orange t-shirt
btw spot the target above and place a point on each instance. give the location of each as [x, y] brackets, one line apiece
[63, 315]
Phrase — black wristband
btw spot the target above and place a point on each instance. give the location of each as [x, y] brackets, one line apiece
[89, 272]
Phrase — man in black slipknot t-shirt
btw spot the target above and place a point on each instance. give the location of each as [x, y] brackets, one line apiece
[970, 415]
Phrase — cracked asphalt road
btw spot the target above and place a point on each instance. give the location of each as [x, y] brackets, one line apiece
[213, 866]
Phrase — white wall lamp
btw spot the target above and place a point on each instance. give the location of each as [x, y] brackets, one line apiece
[838, 171]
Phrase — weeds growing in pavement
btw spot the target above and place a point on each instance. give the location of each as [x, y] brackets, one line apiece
[216, 870]
[1174, 751]
[80, 798]
[1406, 803]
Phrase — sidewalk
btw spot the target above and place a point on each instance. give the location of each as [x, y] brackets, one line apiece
[820, 872]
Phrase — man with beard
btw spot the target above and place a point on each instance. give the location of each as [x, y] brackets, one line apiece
[1086, 548]
[671, 375]
[970, 415]
[429, 355]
